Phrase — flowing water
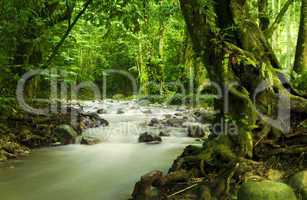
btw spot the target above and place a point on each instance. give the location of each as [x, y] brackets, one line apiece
[107, 171]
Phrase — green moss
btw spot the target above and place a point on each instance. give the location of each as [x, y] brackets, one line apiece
[265, 190]
[299, 183]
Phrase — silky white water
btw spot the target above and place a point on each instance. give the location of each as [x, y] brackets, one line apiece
[107, 171]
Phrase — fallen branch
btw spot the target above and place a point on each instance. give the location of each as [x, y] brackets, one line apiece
[183, 190]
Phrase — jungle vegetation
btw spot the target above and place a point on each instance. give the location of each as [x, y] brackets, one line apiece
[166, 44]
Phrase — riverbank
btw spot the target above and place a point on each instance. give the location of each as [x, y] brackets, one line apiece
[21, 131]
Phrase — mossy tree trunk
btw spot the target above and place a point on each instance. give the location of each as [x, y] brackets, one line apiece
[235, 50]
[263, 14]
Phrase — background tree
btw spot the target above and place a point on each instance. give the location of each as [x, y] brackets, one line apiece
[300, 64]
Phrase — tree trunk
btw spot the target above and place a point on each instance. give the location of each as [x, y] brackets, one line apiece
[242, 56]
[142, 68]
[263, 14]
[300, 64]
[161, 55]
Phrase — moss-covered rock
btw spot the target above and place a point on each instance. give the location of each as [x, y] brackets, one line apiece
[299, 183]
[65, 134]
[2, 156]
[265, 190]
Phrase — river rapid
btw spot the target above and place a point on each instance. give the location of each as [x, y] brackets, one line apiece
[106, 171]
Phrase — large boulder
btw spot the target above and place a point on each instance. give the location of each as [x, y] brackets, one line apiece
[153, 122]
[299, 183]
[149, 187]
[149, 138]
[146, 188]
[265, 190]
[91, 120]
[65, 134]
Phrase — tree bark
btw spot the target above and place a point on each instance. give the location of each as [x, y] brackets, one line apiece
[300, 63]
[243, 56]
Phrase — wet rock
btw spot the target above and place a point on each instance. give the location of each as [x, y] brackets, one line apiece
[149, 187]
[167, 116]
[164, 134]
[175, 122]
[120, 111]
[144, 102]
[181, 109]
[299, 183]
[65, 134]
[196, 131]
[178, 114]
[86, 140]
[101, 111]
[149, 138]
[145, 189]
[265, 190]
[148, 111]
[153, 122]
[91, 120]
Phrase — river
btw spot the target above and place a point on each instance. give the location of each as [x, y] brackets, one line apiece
[106, 171]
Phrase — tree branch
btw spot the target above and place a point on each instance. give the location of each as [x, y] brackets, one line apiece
[61, 42]
[278, 19]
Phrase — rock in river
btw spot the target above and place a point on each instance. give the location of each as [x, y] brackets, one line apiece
[149, 138]
[86, 140]
[164, 134]
[101, 111]
[120, 111]
[153, 122]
